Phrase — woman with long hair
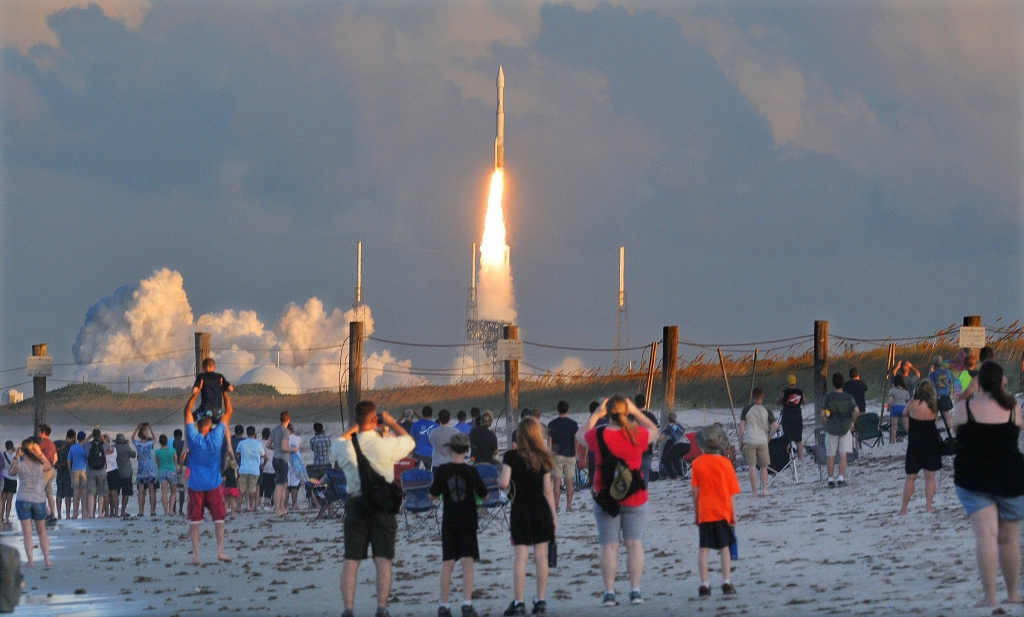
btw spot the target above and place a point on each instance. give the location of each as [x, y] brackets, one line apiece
[625, 438]
[988, 472]
[167, 474]
[923, 443]
[30, 466]
[533, 521]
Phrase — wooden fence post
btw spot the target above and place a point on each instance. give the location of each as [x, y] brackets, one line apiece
[669, 359]
[202, 349]
[355, 369]
[820, 369]
[38, 392]
[511, 382]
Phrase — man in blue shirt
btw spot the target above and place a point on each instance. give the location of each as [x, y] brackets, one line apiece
[205, 443]
[942, 379]
[420, 432]
[462, 426]
[79, 482]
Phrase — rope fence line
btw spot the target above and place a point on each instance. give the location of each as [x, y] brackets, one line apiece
[838, 342]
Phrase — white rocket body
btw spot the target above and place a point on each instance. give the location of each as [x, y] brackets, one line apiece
[499, 140]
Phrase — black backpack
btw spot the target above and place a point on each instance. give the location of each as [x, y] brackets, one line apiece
[97, 456]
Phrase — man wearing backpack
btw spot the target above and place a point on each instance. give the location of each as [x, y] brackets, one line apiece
[364, 526]
[96, 473]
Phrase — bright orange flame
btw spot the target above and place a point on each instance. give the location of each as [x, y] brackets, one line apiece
[493, 248]
[495, 298]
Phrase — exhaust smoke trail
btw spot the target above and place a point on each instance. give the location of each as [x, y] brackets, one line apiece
[495, 298]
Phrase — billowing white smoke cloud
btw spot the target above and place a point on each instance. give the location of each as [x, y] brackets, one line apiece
[146, 332]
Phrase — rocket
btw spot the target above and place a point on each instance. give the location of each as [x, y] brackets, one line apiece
[499, 139]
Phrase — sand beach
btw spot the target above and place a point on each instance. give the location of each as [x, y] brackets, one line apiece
[804, 550]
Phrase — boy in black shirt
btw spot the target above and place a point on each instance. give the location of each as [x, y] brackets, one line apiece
[459, 485]
[211, 387]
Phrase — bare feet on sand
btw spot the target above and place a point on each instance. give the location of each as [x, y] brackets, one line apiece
[224, 558]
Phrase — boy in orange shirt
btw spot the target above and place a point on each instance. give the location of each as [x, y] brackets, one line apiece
[714, 483]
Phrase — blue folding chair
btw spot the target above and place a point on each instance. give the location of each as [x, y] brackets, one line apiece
[419, 510]
[494, 507]
[331, 493]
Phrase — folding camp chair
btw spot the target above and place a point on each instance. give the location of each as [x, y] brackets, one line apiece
[694, 452]
[781, 457]
[419, 510]
[331, 494]
[582, 477]
[817, 451]
[866, 429]
[494, 507]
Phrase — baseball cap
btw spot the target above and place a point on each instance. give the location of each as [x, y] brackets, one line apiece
[459, 440]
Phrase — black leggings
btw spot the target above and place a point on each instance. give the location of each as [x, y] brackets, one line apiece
[672, 459]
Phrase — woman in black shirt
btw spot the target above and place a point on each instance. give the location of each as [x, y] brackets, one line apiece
[533, 521]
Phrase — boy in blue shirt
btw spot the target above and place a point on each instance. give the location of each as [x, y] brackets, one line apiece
[420, 432]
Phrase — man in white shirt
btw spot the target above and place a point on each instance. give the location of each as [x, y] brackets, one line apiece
[365, 527]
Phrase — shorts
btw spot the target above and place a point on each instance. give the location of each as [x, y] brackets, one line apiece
[114, 481]
[64, 490]
[756, 455]
[127, 488]
[531, 526]
[629, 524]
[30, 511]
[145, 482]
[457, 543]
[97, 483]
[280, 471]
[716, 535]
[248, 483]
[363, 530]
[212, 500]
[48, 483]
[565, 466]
[170, 477]
[231, 492]
[425, 460]
[896, 411]
[945, 403]
[1010, 508]
[841, 444]
[79, 481]
[793, 427]
[10, 485]
[267, 485]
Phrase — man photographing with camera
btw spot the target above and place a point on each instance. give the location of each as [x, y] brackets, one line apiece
[367, 524]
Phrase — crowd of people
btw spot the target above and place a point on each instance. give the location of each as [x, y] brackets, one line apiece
[251, 472]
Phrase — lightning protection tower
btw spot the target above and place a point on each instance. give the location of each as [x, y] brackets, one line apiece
[622, 360]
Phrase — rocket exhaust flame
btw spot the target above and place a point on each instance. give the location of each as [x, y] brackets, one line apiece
[494, 293]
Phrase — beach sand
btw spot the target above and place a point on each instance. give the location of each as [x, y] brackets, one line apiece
[804, 550]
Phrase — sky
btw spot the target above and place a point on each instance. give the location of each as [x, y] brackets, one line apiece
[765, 164]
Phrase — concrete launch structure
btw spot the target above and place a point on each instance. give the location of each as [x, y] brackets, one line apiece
[499, 138]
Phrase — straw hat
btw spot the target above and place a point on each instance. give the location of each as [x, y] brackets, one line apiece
[712, 439]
